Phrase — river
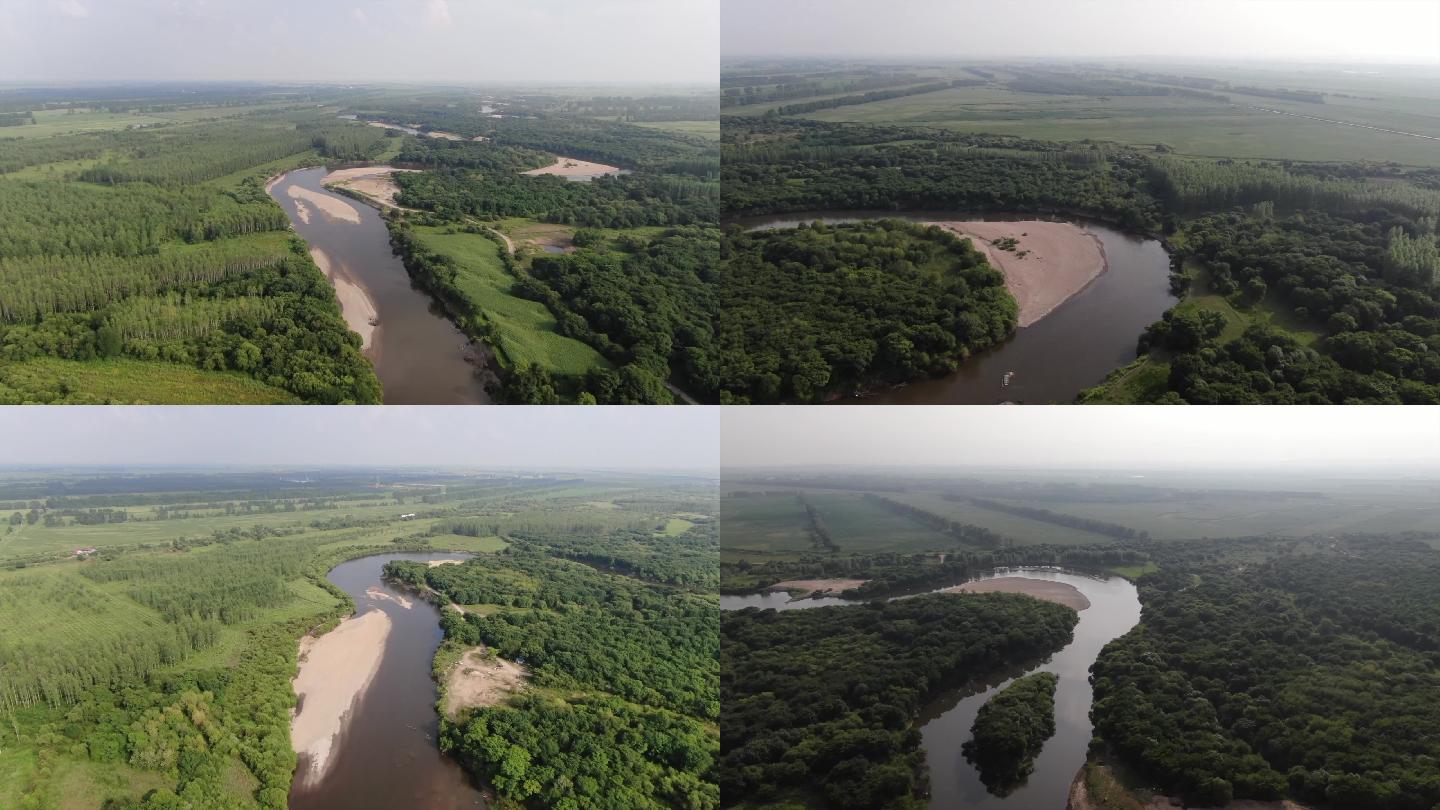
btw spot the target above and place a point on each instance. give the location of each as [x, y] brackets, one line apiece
[945, 723]
[419, 356]
[1053, 359]
[387, 755]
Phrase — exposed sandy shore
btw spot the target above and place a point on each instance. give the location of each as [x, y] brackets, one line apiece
[375, 182]
[571, 167]
[1050, 591]
[335, 670]
[302, 211]
[449, 136]
[1060, 260]
[1080, 798]
[813, 586]
[333, 208]
[437, 563]
[376, 593]
[481, 680]
[355, 304]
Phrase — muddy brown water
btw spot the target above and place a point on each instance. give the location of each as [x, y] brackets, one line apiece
[945, 723]
[420, 357]
[386, 756]
[1055, 358]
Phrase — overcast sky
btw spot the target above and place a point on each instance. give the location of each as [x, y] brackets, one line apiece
[499, 41]
[1312, 439]
[1340, 30]
[612, 438]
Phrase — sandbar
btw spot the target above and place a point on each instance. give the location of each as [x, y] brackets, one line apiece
[481, 678]
[1058, 592]
[335, 670]
[1060, 260]
[375, 593]
[332, 207]
[375, 182]
[355, 304]
[571, 167]
[814, 586]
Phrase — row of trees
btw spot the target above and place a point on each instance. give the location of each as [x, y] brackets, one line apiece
[1092, 525]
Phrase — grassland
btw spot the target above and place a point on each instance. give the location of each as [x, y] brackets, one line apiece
[703, 129]
[1022, 530]
[765, 523]
[857, 523]
[526, 331]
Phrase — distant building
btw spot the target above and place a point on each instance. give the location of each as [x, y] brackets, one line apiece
[410, 516]
[85, 552]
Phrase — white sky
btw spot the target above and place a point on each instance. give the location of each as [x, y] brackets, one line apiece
[613, 438]
[1311, 439]
[1406, 31]
[472, 41]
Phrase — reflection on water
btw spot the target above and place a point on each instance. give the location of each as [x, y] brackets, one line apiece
[945, 724]
[1052, 360]
[387, 755]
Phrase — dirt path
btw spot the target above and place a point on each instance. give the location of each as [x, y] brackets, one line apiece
[335, 670]
[1059, 260]
[1058, 592]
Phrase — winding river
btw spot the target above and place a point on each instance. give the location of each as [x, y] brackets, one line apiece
[945, 724]
[420, 357]
[1072, 348]
[386, 754]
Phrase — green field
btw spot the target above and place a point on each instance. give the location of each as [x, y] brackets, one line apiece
[703, 129]
[858, 524]
[124, 381]
[774, 523]
[1190, 126]
[526, 330]
[1024, 531]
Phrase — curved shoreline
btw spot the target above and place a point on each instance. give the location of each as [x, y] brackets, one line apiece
[333, 673]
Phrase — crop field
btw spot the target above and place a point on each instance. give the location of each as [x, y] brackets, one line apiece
[860, 525]
[704, 129]
[1024, 531]
[774, 523]
[527, 332]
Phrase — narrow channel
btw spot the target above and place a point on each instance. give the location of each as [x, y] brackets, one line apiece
[1055, 358]
[419, 356]
[386, 753]
[945, 724]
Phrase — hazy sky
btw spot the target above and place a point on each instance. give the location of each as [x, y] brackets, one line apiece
[1308, 438]
[615, 438]
[500, 41]
[1341, 30]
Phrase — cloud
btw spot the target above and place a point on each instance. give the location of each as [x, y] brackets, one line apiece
[71, 8]
[437, 13]
[360, 15]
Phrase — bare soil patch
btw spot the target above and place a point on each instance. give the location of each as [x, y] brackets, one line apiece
[335, 670]
[481, 678]
[1059, 260]
[375, 182]
[574, 167]
[1058, 592]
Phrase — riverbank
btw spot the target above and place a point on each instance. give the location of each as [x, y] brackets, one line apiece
[356, 306]
[1061, 593]
[335, 669]
[811, 587]
[1047, 265]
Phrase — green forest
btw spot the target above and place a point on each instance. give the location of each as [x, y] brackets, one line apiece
[156, 671]
[1010, 730]
[624, 671]
[1263, 670]
[820, 704]
[1304, 283]
[828, 309]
